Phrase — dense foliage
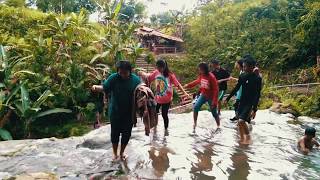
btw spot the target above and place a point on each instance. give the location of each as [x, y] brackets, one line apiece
[48, 64]
[282, 35]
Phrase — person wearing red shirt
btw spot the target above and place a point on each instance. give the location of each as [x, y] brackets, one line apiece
[209, 90]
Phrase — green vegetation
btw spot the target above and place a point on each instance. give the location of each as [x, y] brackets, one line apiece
[49, 62]
[282, 35]
[298, 101]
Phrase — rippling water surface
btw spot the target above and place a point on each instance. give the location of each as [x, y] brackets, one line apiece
[216, 154]
[205, 154]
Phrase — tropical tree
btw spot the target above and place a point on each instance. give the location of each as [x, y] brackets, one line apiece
[63, 6]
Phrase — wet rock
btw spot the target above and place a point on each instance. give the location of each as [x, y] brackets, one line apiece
[307, 119]
[281, 108]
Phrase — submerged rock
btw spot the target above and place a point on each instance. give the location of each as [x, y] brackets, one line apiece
[283, 109]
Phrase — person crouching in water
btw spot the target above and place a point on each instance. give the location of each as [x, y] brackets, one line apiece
[209, 90]
[251, 85]
[307, 142]
[120, 86]
[164, 80]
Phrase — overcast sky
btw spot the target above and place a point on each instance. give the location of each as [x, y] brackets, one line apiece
[158, 6]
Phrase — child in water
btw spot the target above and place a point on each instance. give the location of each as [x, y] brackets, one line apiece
[306, 143]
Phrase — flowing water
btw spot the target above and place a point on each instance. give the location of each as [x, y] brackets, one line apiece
[204, 154]
[216, 154]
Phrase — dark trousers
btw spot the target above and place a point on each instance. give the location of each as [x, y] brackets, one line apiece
[164, 111]
[124, 130]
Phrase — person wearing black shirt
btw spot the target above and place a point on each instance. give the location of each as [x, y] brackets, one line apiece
[222, 76]
[251, 89]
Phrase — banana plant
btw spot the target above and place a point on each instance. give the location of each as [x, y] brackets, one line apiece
[30, 111]
[118, 41]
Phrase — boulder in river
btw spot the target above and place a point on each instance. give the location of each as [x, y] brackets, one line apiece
[282, 108]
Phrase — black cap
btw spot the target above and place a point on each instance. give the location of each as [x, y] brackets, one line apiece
[215, 61]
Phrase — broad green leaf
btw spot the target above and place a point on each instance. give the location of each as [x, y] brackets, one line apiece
[44, 96]
[24, 72]
[19, 60]
[25, 101]
[5, 135]
[52, 111]
[14, 92]
[97, 56]
[117, 10]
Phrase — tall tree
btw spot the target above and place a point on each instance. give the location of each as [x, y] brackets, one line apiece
[132, 10]
[64, 6]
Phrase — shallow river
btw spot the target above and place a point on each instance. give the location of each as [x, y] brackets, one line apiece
[205, 154]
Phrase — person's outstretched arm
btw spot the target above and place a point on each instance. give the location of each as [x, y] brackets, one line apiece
[222, 80]
[177, 84]
[106, 85]
[235, 89]
[97, 88]
[193, 83]
[316, 143]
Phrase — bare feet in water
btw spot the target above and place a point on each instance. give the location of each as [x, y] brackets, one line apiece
[123, 157]
[115, 158]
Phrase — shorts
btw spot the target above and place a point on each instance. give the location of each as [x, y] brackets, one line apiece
[221, 95]
[124, 130]
[244, 112]
[202, 100]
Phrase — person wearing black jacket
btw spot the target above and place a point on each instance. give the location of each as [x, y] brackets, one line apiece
[251, 89]
[223, 76]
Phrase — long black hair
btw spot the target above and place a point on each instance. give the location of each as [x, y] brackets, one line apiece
[161, 63]
[205, 67]
[240, 62]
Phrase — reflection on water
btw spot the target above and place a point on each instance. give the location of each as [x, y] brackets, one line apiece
[211, 154]
[240, 166]
[160, 160]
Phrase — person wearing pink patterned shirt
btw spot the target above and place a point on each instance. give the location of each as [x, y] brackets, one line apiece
[164, 80]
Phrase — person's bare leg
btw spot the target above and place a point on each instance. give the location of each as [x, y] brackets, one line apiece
[122, 155]
[115, 151]
[246, 133]
[219, 107]
[195, 118]
[218, 121]
[98, 117]
[241, 133]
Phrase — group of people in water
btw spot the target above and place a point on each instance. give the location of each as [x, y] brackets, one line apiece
[212, 82]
